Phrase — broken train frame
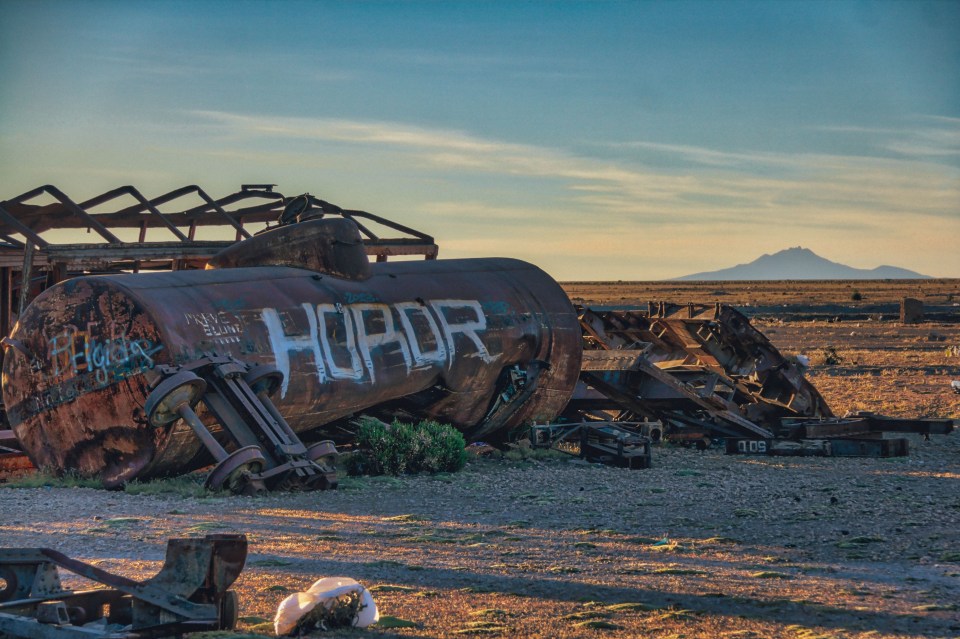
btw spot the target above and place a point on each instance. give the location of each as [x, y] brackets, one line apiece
[699, 374]
[690, 373]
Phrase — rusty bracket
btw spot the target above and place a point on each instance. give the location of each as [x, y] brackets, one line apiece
[266, 453]
[189, 594]
[607, 442]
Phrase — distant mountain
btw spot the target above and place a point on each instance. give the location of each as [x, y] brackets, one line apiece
[802, 264]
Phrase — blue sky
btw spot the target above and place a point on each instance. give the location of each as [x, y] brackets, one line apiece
[599, 140]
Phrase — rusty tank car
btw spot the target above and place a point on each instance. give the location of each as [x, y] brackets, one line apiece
[143, 375]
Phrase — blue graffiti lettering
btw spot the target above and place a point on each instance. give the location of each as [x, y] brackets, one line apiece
[75, 352]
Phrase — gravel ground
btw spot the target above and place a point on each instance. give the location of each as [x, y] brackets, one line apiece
[701, 545]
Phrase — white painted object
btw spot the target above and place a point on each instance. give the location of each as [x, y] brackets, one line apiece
[324, 592]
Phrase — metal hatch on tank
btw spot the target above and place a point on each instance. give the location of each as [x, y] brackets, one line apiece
[289, 330]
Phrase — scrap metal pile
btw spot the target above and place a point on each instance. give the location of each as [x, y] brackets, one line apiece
[254, 354]
[252, 361]
[697, 373]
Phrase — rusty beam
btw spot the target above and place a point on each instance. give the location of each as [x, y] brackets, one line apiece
[134, 193]
[71, 206]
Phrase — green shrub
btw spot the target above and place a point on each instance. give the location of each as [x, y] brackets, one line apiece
[403, 448]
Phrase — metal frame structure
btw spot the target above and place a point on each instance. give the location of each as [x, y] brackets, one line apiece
[26, 256]
[706, 374]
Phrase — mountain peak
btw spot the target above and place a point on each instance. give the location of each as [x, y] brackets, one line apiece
[799, 263]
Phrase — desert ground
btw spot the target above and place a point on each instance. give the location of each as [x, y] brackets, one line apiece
[813, 294]
[701, 545]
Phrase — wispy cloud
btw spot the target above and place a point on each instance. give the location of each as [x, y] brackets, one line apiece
[703, 155]
[852, 128]
[360, 132]
[169, 64]
[932, 137]
[728, 185]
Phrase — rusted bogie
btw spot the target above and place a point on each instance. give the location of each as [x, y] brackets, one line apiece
[484, 344]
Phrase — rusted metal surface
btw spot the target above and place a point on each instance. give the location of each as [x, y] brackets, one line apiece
[190, 593]
[141, 375]
[707, 374]
[484, 344]
[331, 246]
[837, 446]
[712, 339]
[19, 217]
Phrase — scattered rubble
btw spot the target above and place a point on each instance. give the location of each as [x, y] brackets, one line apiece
[706, 374]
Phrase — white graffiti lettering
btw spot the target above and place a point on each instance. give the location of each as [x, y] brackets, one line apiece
[327, 315]
[368, 318]
[283, 344]
[343, 338]
[468, 327]
[222, 327]
[420, 340]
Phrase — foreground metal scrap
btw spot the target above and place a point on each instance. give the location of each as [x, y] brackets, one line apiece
[285, 333]
[189, 594]
[705, 373]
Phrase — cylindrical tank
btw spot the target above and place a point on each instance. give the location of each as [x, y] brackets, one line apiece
[446, 333]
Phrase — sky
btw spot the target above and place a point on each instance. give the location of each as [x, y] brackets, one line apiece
[598, 140]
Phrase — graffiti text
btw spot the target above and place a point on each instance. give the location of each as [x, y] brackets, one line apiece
[108, 359]
[342, 339]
